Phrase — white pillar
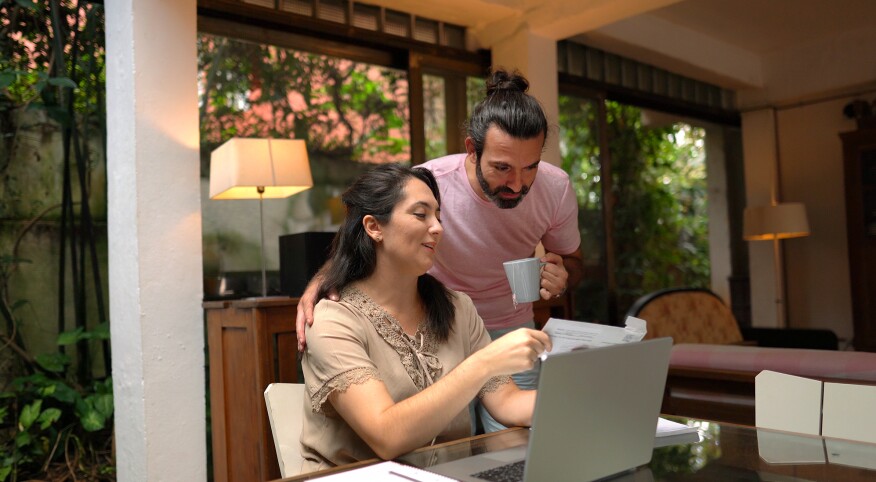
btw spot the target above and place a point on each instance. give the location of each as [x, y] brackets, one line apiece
[536, 58]
[758, 143]
[154, 228]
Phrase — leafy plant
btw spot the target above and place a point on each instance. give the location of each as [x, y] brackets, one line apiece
[54, 427]
[55, 415]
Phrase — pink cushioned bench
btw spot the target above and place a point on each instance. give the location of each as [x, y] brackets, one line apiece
[716, 382]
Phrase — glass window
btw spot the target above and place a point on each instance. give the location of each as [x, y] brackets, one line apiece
[579, 148]
[448, 99]
[350, 114]
[475, 90]
[659, 217]
[435, 116]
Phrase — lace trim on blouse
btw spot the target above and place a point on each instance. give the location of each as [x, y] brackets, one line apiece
[417, 353]
[340, 383]
[493, 384]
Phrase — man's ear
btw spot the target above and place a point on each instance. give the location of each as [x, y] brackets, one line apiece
[372, 227]
[470, 149]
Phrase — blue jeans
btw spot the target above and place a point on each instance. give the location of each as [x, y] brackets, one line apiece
[527, 380]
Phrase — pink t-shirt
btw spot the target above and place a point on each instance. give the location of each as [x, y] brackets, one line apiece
[479, 236]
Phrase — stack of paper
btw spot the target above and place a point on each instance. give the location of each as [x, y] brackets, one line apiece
[674, 433]
[666, 428]
[568, 335]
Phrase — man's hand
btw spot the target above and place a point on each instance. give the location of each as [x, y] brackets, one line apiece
[305, 309]
[554, 277]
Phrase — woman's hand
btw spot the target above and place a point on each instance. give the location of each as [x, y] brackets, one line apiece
[515, 352]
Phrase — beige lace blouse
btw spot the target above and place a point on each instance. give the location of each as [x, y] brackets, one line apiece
[354, 340]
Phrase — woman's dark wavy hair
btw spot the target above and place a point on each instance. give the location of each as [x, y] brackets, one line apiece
[354, 255]
[508, 106]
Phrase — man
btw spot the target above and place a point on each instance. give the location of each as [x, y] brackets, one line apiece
[498, 202]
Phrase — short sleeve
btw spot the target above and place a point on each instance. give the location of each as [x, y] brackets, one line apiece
[479, 337]
[337, 353]
[467, 315]
[563, 237]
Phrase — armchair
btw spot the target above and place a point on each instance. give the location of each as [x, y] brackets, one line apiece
[695, 315]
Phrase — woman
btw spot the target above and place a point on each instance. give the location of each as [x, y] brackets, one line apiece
[393, 364]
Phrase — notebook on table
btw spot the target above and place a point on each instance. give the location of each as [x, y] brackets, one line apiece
[595, 417]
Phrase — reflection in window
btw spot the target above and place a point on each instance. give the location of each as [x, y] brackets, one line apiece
[688, 458]
[350, 114]
[435, 116]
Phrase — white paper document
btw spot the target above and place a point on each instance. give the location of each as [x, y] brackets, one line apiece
[386, 471]
[666, 428]
[568, 335]
[674, 433]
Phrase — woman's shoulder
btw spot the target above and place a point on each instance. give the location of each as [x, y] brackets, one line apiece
[330, 315]
[459, 296]
[461, 301]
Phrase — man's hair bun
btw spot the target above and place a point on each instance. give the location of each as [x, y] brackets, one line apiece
[500, 80]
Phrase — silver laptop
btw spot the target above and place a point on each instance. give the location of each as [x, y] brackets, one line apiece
[595, 417]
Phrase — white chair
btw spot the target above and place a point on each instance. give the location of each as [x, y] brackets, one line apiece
[848, 412]
[285, 403]
[787, 402]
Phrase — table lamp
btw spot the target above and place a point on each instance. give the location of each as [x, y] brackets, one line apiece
[775, 222]
[257, 169]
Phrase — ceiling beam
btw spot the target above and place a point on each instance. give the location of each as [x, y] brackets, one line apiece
[652, 40]
[561, 19]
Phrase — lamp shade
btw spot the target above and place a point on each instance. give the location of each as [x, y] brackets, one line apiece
[239, 167]
[780, 221]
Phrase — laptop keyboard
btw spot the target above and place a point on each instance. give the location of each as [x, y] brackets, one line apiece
[512, 472]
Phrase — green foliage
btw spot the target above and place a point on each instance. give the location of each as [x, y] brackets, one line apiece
[661, 221]
[579, 146]
[46, 418]
[344, 110]
[55, 418]
[33, 73]
[100, 332]
[658, 198]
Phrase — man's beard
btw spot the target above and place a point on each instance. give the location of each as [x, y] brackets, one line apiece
[493, 195]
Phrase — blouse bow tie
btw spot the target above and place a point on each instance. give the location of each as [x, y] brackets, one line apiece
[428, 364]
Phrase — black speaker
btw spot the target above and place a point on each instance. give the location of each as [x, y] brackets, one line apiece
[301, 256]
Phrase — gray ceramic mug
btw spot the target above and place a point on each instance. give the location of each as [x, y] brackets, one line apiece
[524, 276]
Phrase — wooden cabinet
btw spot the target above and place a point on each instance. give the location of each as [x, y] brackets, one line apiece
[859, 152]
[252, 344]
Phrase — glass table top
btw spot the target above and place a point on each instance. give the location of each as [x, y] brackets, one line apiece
[716, 452]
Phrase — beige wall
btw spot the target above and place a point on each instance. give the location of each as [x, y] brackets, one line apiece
[811, 171]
